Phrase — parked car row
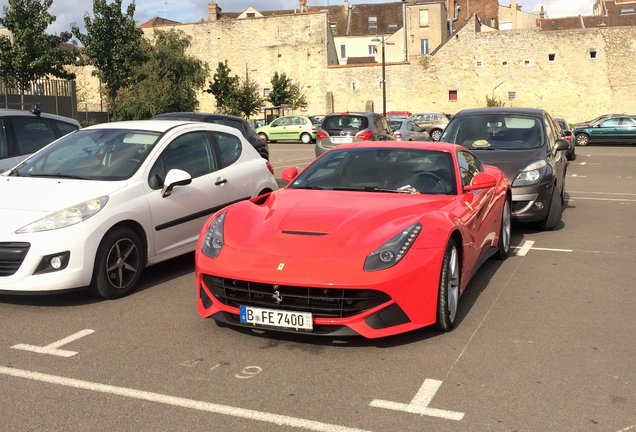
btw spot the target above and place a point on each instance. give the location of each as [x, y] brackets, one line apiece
[323, 255]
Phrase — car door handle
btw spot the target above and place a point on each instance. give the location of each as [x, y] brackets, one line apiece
[220, 181]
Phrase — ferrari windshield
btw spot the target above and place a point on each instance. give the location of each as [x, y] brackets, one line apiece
[495, 131]
[91, 154]
[400, 170]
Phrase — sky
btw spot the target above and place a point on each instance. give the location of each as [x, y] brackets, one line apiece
[68, 12]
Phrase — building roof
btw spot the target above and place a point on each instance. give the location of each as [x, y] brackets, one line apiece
[156, 21]
[615, 16]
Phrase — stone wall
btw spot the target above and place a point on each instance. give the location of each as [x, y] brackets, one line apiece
[553, 70]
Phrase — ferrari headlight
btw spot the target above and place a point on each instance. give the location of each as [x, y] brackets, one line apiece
[213, 240]
[531, 174]
[67, 217]
[391, 252]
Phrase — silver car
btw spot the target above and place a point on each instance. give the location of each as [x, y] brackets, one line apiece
[348, 127]
[408, 130]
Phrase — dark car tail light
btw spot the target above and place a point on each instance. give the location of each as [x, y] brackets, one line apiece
[365, 136]
[270, 167]
[321, 135]
[397, 134]
[259, 137]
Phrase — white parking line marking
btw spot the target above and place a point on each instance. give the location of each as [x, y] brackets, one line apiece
[419, 404]
[579, 176]
[52, 349]
[525, 248]
[603, 193]
[571, 198]
[276, 419]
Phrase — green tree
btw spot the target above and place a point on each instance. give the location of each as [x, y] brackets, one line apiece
[281, 92]
[225, 89]
[248, 99]
[297, 98]
[166, 82]
[114, 46]
[33, 53]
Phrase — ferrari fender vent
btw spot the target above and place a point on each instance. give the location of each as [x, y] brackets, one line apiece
[305, 233]
[321, 302]
[11, 256]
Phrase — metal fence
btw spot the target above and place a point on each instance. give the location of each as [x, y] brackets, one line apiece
[53, 96]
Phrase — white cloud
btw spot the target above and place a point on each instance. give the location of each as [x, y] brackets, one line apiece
[563, 8]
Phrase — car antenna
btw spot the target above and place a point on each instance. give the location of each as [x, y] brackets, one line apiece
[35, 109]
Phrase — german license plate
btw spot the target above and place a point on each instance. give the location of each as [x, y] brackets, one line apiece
[276, 318]
[341, 140]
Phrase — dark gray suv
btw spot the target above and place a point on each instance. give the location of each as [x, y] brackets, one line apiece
[347, 127]
[527, 145]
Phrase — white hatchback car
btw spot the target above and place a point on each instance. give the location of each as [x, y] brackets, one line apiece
[95, 207]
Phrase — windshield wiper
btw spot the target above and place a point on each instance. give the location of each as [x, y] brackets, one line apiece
[58, 175]
[369, 189]
[308, 187]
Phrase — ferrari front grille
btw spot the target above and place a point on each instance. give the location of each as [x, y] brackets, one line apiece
[321, 302]
[11, 256]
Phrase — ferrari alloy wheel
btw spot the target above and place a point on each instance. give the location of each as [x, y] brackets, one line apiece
[305, 138]
[436, 134]
[448, 296]
[503, 246]
[118, 264]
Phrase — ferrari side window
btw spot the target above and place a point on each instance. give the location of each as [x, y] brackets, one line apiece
[468, 167]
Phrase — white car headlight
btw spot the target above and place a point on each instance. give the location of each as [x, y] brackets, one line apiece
[67, 217]
[391, 252]
[213, 241]
[531, 174]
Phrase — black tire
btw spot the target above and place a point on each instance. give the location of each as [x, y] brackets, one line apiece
[305, 138]
[448, 291]
[118, 264]
[503, 246]
[436, 134]
[582, 139]
[555, 211]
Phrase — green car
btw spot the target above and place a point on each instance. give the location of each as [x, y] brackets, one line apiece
[606, 129]
[291, 128]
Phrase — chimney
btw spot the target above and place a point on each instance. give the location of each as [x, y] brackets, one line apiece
[513, 10]
[214, 11]
[542, 13]
[346, 6]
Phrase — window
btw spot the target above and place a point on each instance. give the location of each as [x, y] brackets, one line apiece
[468, 167]
[343, 51]
[504, 63]
[628, 11]
[478, 63]
[190, 152]
[512, 96]
[393, 27]
[371, 50]
[526, 62]
[592, 54]
[250, 14]
[332, 26]
[424, 46]
[265, 92]
[452, 95]
[373, 23]
[354, 86]
[551, 58]
[32, 134]
[424, 18]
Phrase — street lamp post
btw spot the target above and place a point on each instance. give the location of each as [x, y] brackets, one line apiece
[383, 42]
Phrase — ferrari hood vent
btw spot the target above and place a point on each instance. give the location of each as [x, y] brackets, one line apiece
[305, 233]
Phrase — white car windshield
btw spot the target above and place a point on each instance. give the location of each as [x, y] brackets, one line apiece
[97, 154]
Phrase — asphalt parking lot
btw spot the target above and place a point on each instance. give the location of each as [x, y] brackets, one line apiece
[545, 342]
